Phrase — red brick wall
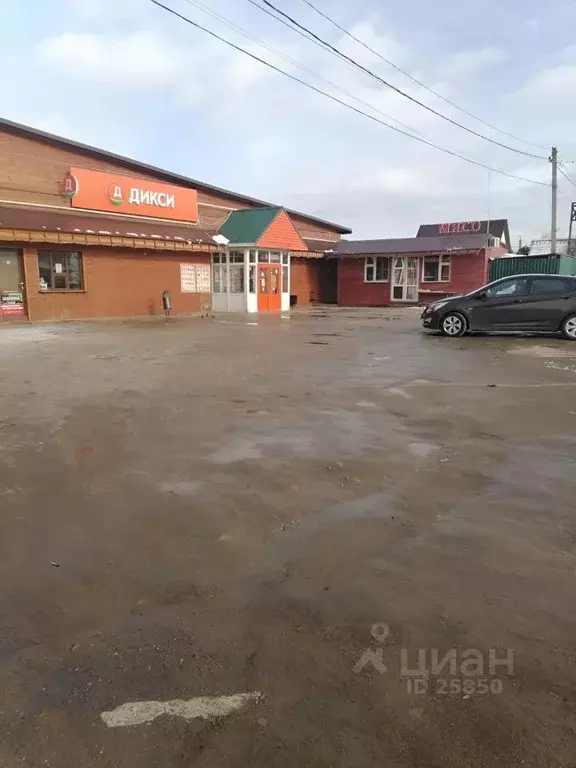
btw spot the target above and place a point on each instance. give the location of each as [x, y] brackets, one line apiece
[117, 283]
[468, 271]
[305, 281]
[354, 292]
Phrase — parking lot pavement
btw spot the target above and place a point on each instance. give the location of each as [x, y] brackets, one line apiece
[326, 539]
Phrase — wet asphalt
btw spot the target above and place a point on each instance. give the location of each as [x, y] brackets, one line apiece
[370, 528]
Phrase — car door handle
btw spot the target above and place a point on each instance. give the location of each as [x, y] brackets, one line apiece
[517, 301]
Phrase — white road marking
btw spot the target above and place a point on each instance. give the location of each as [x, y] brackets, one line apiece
[205, 707]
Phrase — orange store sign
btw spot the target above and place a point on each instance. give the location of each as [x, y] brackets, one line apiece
[99, 191]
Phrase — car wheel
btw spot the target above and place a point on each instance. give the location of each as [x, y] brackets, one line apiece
[568, 327]
[453, 324]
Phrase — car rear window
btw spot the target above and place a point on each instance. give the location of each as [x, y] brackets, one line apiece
[553, 285]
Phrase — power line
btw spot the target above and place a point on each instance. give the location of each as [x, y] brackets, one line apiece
[227, 22]
[339, 101]
[415, 79]
[395, 88]
[567, 177]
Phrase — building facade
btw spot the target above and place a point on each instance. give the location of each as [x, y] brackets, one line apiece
[442, 260]
[85, 234]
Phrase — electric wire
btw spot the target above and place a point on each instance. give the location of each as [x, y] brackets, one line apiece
[415, 79]
[369, 72]
[227, 22]
[567, 177]
[343, 103]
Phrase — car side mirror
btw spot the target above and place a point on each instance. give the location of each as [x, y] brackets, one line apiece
[482, 296]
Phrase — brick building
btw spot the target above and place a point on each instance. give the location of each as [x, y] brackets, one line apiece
[442, 260]
[85, 233]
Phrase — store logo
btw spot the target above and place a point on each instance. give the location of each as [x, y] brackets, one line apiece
[459, 226]
[115, 194]
[70, 186]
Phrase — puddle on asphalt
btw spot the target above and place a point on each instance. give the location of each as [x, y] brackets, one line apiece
[422, 450]
[16, 335]
[559, 367]
[543, 351]
[183, 487]
[291, 544]
[247, 448]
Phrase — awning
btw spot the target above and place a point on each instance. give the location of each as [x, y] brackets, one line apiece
[42, 225]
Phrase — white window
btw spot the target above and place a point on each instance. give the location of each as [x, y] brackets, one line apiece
[236, 278]
[376, 269]
[436, 269]
[493, 242]
[219, 273]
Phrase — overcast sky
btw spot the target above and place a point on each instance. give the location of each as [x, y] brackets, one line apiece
[126, 76]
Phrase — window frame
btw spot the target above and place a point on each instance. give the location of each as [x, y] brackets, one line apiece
[504, 281]
[219, 276]
[555, 280]
[63, 257]
[371, 262]
[443, 260]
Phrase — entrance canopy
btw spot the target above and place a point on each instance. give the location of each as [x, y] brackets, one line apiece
[262, 227]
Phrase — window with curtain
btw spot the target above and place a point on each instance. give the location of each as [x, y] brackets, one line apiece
[436, 269]
[60, 270]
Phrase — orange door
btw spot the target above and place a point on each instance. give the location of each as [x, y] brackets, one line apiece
[275, 296]
[269, 288]
[263, 289]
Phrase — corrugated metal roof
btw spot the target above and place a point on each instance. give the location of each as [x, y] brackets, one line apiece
[439, 244]
[248, 226]
[544, 247]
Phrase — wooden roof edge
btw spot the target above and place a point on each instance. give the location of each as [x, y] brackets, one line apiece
[103, 241]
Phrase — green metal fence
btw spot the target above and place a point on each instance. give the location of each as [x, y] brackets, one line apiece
[567, 265]
[533, 265]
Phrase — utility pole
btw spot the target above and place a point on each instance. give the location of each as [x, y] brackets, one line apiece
[554, 161]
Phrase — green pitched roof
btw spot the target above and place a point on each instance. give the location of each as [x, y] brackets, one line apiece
[248, 226]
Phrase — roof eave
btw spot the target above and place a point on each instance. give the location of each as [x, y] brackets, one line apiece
[10, 125]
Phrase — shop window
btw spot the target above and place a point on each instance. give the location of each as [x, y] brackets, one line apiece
[60, 271]
[252, 257]
[236, 257]
[376, 269]
[285, 257]
[264, 257]
[252, 278]
[436, 269]
[236, 277]
[285, 283]
[275, 257]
